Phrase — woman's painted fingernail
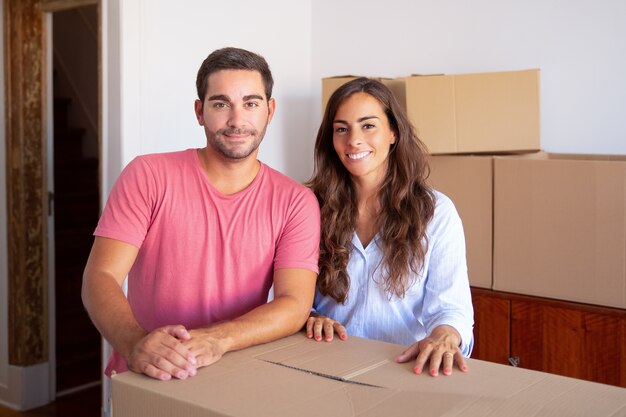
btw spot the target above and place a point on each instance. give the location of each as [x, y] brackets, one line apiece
[434, 372]
[318, 337]
[417, 370]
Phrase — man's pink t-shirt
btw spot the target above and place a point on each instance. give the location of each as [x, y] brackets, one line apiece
[205, 257]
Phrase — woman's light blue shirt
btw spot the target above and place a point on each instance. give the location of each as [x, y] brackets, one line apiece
[440, 294]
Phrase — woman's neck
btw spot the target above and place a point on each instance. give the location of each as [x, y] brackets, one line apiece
[368, 205]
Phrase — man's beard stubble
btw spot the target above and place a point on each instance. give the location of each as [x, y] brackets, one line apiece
[234, 152]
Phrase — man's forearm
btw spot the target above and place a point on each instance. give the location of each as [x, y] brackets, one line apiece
[279, 318]
[110, 312]
[284, 315]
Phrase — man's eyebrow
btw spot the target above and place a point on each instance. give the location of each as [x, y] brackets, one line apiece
[223, 97]
[359, 120]
[219, 97]
[252, 97]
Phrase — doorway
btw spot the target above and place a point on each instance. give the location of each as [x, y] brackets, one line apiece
[74, 187]
[32, 324]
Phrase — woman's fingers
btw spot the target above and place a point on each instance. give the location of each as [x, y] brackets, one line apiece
[320, 327]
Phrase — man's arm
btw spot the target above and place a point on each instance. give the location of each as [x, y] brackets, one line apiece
[159, 354]
[294, 290]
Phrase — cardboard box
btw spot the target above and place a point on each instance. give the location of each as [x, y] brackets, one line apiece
[296, 376]
[468, 181]
[472, 113]
[330, 84]
[560, 227]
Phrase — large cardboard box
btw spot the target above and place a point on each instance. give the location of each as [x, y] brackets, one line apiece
[468, 181]
[297, 376]
[560, 227]
[472, 113]
[330, 84]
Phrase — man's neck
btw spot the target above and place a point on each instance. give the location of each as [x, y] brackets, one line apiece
[228, 176]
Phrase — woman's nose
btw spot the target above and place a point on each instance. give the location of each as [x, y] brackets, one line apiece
[354, 138]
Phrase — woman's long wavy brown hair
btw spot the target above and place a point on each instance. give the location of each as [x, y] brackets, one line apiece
[407, 203]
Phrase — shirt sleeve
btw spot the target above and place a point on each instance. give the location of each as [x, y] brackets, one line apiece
[128, 211]
[298, 246]
[447, 293]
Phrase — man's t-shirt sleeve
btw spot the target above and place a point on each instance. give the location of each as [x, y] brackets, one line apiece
[298, 247]
[127, 213]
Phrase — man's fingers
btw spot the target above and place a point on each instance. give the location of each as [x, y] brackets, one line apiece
[178, 331]
[156, 373]
[162, 355]
[176, 352]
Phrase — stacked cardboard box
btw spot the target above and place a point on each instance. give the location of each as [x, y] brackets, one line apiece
[330, 84]
[558, 223]
[468, 181]
[467, 113]
[560, 227]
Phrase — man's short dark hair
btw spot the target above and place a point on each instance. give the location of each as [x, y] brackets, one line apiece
[233, 59]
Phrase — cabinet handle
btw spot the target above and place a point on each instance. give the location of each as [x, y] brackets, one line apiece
[514, 361]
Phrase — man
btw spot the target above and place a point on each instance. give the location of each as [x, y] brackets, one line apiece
[202, 235]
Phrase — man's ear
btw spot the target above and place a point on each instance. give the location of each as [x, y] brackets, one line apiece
[271, 107]
[198, 108]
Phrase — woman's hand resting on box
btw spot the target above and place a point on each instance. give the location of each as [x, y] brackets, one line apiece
[318, 327]
[440, 350]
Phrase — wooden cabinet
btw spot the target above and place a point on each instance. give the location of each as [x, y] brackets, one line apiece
[570, 339]
[492, 326]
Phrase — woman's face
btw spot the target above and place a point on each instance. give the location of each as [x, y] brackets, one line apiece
[362, 137]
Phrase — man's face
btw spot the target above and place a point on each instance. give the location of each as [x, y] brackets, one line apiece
[235, 113]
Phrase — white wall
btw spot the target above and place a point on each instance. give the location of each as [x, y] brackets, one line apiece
[579, 45]
[163, 47]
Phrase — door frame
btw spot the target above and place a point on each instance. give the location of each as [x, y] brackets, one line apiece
[27, 121]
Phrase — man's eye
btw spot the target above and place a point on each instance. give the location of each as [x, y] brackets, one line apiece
[219, 105]
[252, 104]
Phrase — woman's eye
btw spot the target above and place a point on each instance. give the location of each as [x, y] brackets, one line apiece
[340, 130]
[368, 126]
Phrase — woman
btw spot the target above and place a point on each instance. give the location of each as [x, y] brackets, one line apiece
[392, 252]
